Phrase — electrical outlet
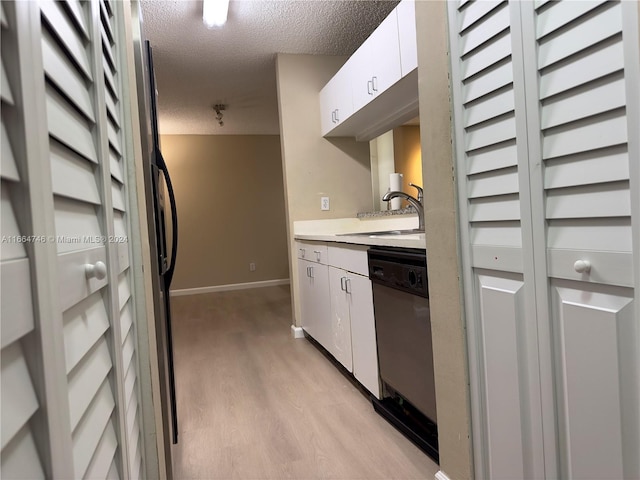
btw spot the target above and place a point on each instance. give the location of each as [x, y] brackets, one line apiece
[324, 203]
[252, 267]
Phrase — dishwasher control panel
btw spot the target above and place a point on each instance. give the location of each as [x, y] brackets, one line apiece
[402, 269]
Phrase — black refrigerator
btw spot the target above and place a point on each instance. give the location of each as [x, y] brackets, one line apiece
[162, 225]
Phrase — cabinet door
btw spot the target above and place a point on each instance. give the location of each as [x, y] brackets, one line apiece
[340, 320]
[376, 64]
[336, 103]
[314, 291]
[407, 36]
[363, 332]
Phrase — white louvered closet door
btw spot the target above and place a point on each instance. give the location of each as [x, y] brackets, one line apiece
[493, 174]
[20, 402]
[554, 343]
[583, 85]
[91, 389]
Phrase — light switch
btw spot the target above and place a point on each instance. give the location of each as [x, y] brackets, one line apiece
[324, 203]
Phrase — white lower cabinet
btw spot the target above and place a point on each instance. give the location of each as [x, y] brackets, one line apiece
[336, 304]
[340, 346]
[314, 307]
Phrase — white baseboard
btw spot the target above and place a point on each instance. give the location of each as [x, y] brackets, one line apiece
[441, 475]
[297, 332]
[226, 288]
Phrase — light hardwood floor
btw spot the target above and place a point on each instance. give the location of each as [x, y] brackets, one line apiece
[255, 403]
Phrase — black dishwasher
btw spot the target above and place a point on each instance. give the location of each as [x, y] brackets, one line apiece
[403, 337]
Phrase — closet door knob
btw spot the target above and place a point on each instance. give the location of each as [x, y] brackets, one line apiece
[582, 266]
[97, 270]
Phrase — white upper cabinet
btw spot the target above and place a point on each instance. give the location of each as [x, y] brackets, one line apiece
[375, 65]
[336, 102]
[352, 103]
[406, 13]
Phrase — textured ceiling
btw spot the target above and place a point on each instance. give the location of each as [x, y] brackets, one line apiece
[198, 67]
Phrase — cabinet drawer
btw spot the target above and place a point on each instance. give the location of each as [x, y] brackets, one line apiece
[352, 258]
[312, 251]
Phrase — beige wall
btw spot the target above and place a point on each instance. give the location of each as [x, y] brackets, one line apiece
[230, 199]
[314, 166]
[447, 317]
[407, 156]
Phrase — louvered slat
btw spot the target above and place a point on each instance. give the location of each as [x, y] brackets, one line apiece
[492, 52]
[494, 158]
[114, 138]
[66, 76]
[68, 127]
[584, 102]
[8, 169]
[5, 92]
[17, 308]
[586, 168]
[86, 380]
[113, 472]
[106, 23]
[112, 110]
[585, 234]
[76, 221]
[104, 454]
[130, 379]
[585, 68]
[492, 80]
[492, 106]
[67, 34]
[3, 16]
[109, 79]
[126, 321]
[470, 16]
[499, 182]
[124, 291]
[497, 130]
[19, 400]
[78, 15]
[72, 176]
[561, 14]
[115, 162]
[108, 52]
[84, 324]
[117, 196]
[20, 458]
[572, 41]
[127, 351]
[11, 249]
[493, 26]
[87, 438]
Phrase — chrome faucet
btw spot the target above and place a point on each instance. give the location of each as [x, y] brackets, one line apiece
[413, 201]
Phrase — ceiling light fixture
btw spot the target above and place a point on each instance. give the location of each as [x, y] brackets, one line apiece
[214, 12]
[219, 108]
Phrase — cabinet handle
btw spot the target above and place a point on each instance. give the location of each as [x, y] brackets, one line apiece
[337, 117]
[347, 285]
[97, 270]
[310, 272]
[582, 266]
[317, 252]
[369, 87]
[302, 252]
[374, 83]
[342, 282]
[333, 116]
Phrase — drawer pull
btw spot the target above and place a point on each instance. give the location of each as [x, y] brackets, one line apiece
[97, 270]
[302, 252]
[317, 252]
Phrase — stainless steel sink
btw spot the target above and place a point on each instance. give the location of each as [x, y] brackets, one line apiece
[383, 233]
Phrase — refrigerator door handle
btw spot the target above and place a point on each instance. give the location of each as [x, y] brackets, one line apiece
[168, 276]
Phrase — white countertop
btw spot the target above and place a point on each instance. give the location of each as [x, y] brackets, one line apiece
[412, 240]
[338, 230]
